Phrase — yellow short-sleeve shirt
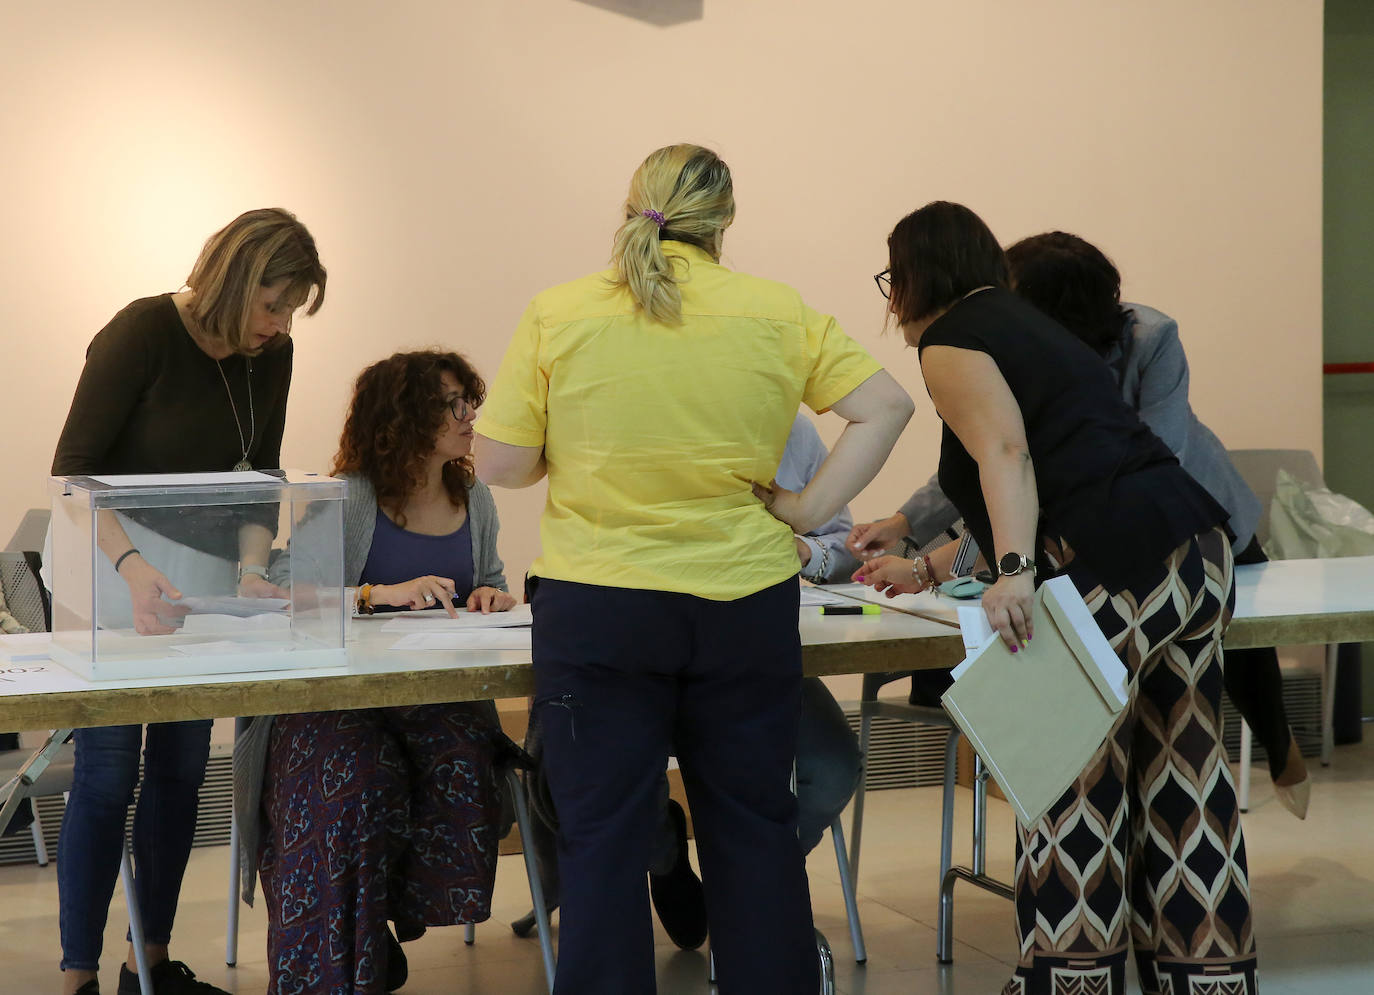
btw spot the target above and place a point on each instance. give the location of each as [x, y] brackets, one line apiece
[653, 433]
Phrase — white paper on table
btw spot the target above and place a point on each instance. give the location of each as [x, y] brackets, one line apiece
[21, 646]
[926, 604]
[238, 607]
[812, 597]
[224, 647]
[186, 479]
[38, 677]
[200, 625]
[470, 639]
[437, 620]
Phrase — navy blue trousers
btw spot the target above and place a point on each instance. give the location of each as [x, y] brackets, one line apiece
[622, 679]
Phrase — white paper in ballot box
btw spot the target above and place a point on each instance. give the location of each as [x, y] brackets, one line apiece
[1037, 716]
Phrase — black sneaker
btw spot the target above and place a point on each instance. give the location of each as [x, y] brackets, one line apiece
[91, 987]
[171, 977]
[397, 967]
[679, 898]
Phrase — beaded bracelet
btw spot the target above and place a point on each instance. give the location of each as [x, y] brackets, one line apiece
[124, 556]
[923, 571]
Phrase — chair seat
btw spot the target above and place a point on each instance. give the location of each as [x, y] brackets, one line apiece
[924, 714]
[53, 781]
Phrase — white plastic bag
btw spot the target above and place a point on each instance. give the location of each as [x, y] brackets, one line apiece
[1308, 522]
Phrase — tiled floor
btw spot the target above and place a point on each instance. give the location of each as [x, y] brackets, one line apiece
[1313, 884]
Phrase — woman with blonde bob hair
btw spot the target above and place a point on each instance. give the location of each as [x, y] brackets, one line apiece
[257, 249]
[178, 383]
[658, 396]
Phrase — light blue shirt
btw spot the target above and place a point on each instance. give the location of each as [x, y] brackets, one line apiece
[830, 561]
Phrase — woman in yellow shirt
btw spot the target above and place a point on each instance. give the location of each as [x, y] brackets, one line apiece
[655, 395]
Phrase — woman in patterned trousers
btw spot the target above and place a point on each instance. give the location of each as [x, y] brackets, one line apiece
[1055, 474]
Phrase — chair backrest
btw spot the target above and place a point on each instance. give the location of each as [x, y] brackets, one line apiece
[1259, 468]
[33, 527]
[24, 593]
[874, 682]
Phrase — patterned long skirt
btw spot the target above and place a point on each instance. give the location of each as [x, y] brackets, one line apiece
[1145, 850]
[373, 815]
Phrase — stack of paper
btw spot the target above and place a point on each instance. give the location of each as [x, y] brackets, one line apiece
[812, 597]
[435, 630]
[1037, 716]
[237, 607]
[439, 620]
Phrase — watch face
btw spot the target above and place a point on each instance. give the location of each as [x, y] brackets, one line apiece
[1010, 563]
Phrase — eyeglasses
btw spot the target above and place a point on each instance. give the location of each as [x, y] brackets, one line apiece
[460, 407]
[884, 282]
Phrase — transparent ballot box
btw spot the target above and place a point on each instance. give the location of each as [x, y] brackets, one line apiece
[193, 529]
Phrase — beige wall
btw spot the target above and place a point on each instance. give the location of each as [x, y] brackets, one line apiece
[452, 159]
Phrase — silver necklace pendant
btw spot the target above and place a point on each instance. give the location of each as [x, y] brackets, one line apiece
[242, 464]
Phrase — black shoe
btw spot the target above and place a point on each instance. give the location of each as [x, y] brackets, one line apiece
[397, 967]
[91, 987]
[171, 977]
[527, 924]
[927, 686]
[679, 898]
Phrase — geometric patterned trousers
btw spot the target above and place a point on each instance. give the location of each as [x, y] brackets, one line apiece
[1144, 852]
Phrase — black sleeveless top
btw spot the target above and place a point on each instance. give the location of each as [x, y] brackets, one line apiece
[1107, 484]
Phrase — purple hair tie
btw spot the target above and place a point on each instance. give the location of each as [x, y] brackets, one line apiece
[656, 216]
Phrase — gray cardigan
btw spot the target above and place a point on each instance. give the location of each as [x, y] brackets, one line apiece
[359, 522]
[1153, 372]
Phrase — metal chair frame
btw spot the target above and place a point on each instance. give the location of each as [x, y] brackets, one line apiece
[976, 873]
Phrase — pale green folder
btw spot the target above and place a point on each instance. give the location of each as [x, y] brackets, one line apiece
[1037, 716]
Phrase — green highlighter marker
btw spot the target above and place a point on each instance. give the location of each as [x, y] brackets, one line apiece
[851, 610]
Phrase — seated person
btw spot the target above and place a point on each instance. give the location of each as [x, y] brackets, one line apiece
[828, 760]
[361, 816]
[1074, 283]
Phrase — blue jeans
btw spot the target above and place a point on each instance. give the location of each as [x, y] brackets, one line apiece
[92, 840]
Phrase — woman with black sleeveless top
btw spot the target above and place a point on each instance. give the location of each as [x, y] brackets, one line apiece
[1055, 474]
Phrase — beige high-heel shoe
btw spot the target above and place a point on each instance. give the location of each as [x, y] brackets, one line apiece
[1295, 794]
[1295, 797]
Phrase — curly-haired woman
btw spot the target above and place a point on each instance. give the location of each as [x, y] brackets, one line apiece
[377, 814]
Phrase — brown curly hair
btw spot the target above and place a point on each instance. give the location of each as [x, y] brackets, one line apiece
[397, 410]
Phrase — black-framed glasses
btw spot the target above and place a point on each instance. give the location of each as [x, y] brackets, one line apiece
[460, 407]
[884, 282]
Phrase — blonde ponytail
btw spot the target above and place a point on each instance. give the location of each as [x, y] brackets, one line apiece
[681, 193]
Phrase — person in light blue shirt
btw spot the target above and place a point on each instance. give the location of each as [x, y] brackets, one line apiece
[824, 557]
[828, 759]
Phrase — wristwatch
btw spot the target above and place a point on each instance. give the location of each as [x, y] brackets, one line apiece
[1011, 564]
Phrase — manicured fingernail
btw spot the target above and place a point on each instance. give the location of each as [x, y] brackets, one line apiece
[1023, 643]
[1013, 649]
